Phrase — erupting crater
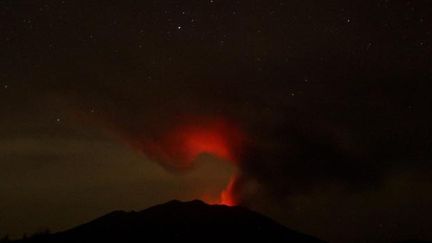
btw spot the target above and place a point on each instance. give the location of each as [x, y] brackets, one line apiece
[182, 144]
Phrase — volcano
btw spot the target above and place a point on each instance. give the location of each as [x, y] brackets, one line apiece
[176, 221]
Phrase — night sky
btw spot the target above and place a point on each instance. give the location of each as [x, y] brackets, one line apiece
[315, 113]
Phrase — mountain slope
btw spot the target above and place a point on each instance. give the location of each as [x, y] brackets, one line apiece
[192, 221]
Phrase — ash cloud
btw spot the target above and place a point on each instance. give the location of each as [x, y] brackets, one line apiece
[313, 113]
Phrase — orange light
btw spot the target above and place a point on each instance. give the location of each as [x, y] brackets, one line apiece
[227, 195]
[179, 146]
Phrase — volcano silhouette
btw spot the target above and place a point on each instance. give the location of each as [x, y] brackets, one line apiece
[176, 221]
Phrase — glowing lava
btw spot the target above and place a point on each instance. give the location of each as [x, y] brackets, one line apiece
[227, 195]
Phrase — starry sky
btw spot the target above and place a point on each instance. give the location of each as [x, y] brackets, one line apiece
[331, 98]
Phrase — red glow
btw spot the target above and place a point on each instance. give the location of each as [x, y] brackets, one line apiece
[215, 137]
[188, 140]
[180, 146]
[227, 195]
[198, 140]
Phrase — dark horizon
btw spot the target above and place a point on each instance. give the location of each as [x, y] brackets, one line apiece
[192, 221]
[317, 114]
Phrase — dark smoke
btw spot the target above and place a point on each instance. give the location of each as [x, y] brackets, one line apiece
[291, 148]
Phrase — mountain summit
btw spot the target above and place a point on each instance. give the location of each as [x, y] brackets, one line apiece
[193, 221]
